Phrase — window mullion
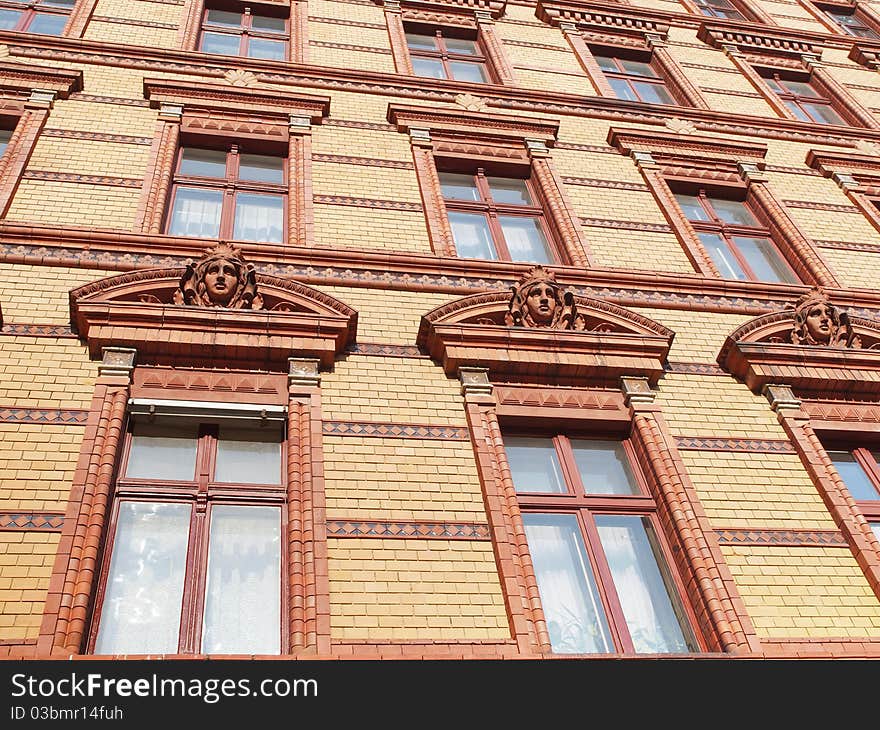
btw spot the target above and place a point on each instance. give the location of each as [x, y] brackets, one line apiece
[190, 613]
[737, 254]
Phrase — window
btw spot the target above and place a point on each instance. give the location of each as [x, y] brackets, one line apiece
[5, 136]
[860, 471]
[595, 544]
[244, 34]
[194, 565]
[738, 244]
[440, 56]
[46, 17]
[228, 194]
[719, 9]
[851, 23]
[634, 80]
[803, 100]
[495, 218]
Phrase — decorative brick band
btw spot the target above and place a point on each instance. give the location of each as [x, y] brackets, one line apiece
[529, 44]
[731, 92]
[811, 205]
[374, 348]
[809, 172]
[367, 161]
[753, 446]
[369, 429]
[355, 124]
[705, 67]
[849, 246]
[423, 530]
[695, 368]
[614, 184]
[31, 522]
[70, 177]
[37, 330]
[597, 148]
[354, 23]
[132, 21]
[350, 47]
[367, 203]
[798, 538]
[97, 136]
[121, 100]
[73, 417]
[626, 225]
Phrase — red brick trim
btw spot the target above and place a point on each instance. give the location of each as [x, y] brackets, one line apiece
[367, 203]
[753, 446]
[385, 350]
[409, 530]
[79, 18]
[840, 504]
[369, 429]
[76, 178]
[695, 368]
[31, 522]
[133, 21]
[97, 136]
[773, 537]
[68, 416]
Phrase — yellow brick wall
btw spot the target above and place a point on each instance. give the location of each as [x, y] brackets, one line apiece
[45, 372]
[37, 462]
[154, 12]
[426, 590]
[39, 294]
[25, 566]
[135, 35]
[804, 592]
[75, 204]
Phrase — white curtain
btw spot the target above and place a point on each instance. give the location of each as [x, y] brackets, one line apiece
[259, 218]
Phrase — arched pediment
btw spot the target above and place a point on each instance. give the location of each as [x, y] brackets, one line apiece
[152, 312]
[595, 342]
[778, 348]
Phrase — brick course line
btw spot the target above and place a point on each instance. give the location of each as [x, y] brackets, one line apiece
[70, 177]
[811, 205]
[97, 136]
[31, 521]
[132, 21]
[384, 350]
[407, 529]
[747, 445]
[369, 429]
[67, 416]
[626, 225]
[21, 329]
[695, 368]
[367, 161]
[774, 537]
[366, 203]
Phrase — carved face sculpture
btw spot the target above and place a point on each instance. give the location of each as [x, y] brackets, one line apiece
[820, 322]
[541, 301]
[221, 281]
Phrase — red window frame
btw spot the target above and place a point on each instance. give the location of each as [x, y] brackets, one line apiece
[790, 97]
[727, 231]
[230, 185]
[201, 493]
[445, 56]
[857, 22]
[246, 30]
[585, 507]
[725, 9]
[492, 210]
[618, 56]
[34, 8]
[865, 459]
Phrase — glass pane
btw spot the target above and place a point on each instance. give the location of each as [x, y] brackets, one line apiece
[471, 235]
[458, 187]
[48, 24]
[606, 63]
[603, 467]
[203, 163]
[271, 25]
[764, 259]
[223, 44]
[653, 93]
[248, 457]
[5, 136]
[9, 19]
[261, 168]
[264, 48]
[421, 42]
[795, 109]
[58, 3]
[638, 68]
[569, 596]
[631, 550]
[854, 477]
[721, 254]
[875, 526]
[243, 592]
[534, 466]
[162, 454]
[525, 240]
[733, 211]
[509, 190]
[622, 89]
[459, 45]
[222, 17]
[473, 72]
[429, 68]
[775, 86]
[801, 88]
[141, 610]
[259, 218]
[822, 113]
[692, 208]
[196, 212]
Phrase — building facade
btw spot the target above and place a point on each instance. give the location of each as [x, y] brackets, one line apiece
[440, 328]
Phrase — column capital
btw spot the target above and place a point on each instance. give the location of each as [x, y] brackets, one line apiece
[117, 361]
[303, 372]
[171, 112]
[636, 390]
[643, 159]
[750, 172]
[780, 397]
[41, 99]
[475, 381]
[299, 125]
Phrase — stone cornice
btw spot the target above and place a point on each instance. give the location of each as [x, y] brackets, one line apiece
[500, 98]
[458, 122]
[22, 78]
[495, 8]
[610, 19]
[123, 251]
[763, 40]
[677, 146]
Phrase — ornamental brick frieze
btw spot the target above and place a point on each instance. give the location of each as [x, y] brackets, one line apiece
[541, 332]
[215, 309]
[814, 347]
